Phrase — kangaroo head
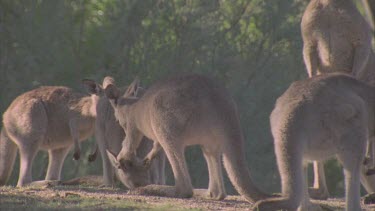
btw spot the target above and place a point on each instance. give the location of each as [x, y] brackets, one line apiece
[92, 87]
[95, 90]
[121, 103]
[131, 172]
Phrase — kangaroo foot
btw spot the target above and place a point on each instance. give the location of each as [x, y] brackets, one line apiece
[106, 186]
[159, 190]
[44, 183]
[283, 203]
[207, 194]
[89, 180]
[317, 193]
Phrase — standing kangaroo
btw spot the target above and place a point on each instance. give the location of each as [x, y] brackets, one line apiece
[51, 118]
[336, 38]
[315, 119]
[178, 112]
[109, 136]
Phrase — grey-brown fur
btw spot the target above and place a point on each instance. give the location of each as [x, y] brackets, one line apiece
[51, 118]
[369, 8]
[336, 39]
[315, 119]
[109, 136]
[181, 111]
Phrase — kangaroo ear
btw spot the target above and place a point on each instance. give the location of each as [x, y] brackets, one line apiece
[133, 88]
[92, 87]
[113, 159]
[108, 80]
[112, 92]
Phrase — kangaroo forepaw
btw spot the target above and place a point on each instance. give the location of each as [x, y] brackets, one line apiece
[146, 162]
[92, 157]
[77, 155]
[370, 172]
[366, 160]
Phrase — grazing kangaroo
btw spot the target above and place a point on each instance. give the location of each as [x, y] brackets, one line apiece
[315, 119]
[109, 136]
[336, 39]
[51, 118]
[178, 112]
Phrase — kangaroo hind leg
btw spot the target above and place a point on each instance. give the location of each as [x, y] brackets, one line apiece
[351, 158]
[56, 161]
[216, 189]
[28, 131]
[319, 190]
[293, 184]
[8, 153]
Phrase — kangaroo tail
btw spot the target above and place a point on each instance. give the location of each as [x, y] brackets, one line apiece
[238, 173]
[8, 152]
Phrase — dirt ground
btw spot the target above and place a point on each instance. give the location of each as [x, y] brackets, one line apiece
[93, 198]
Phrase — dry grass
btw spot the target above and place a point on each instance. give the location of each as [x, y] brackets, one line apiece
[93, 198]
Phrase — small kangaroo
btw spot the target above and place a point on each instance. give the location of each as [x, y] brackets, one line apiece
[109, 136]
[177, 112]
[51, 118]
[315, 119]
[336, 39]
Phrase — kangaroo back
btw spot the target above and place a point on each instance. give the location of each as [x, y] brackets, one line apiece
[8, 152]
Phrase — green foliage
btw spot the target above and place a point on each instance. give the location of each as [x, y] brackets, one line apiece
[252, 46]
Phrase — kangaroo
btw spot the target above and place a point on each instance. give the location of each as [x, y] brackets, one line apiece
[109, 136]
[51, 118]
[315, 119]
[177, 112]
[369, 7]
[336, 38]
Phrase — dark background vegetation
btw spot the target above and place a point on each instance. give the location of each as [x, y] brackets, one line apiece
[253, 47]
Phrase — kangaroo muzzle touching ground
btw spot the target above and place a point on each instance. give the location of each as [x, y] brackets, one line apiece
[177, 112]
[337, 38]
[316, 119]
[109, 136]
[51, 118]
